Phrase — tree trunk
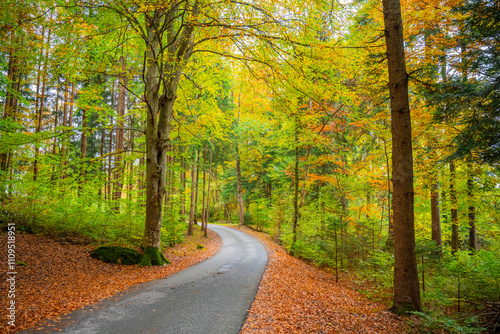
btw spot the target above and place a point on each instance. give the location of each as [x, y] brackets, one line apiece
[182, 210]
[473, 247]
[159, 117]
[83, 147]
[56, 119]
[167, 52]
[207, 209]
[203, 215]
[65, 141]
[389, 243]
[195, 217]
[295, 219]
[109, 184]
[239, 188]
[193, 186]
[436, 218]
[10, 109]
[41, 106]
[454, 210]
[120, 138]
[406, 283]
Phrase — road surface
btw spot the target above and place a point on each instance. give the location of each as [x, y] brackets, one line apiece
[212, 297]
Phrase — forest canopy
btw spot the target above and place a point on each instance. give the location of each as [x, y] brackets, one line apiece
[132, 121]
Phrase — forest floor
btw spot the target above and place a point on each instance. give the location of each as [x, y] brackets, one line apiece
[293, 297]
[60, 278]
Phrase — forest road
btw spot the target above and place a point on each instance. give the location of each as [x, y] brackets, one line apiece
[213, 296]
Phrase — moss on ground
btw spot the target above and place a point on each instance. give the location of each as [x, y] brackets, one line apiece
[116, 254]
[153, 257]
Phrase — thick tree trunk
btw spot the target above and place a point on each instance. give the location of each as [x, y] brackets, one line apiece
[159, 117]
[453, 209]
[167, 52]
[436, 218]
[406, 283]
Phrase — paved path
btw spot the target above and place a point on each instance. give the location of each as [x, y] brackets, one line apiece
[211, 297]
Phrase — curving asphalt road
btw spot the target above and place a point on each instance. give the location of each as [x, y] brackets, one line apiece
[213, 296]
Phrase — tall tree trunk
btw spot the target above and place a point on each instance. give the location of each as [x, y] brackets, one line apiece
[406, 283]
[436, 218]
[10, 108]
[65, 122]
[207, 210]
[41, 106]
[83, 147]
[164, 66]
[195, 216]
[203, 215]
[119, 168]
[193, 186]
[453, 209]
[295, 219]
[389, 244]
[182, 209]
[239, 188]
[473, 247]
[56, 119]
[109, 183]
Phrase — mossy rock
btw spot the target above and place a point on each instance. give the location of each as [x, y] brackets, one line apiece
[116, 254]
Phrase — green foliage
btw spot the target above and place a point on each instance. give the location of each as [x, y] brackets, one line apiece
[437, 323]
[47, 211]
[116, 254]
[258, 214]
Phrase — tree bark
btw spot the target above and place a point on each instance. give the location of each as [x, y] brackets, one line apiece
[41, 106]
[207, 210]
[182, 209]
[203, 215]
[195, 214]
[10, 108]
[473, 246]
[295, 219]
[120, 138]
[406, 283]
[167, 52]
[192, 203]
[239, 188]
[453, 209]
[436, 218]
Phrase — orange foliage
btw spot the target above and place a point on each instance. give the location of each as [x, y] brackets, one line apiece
[295, 297]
